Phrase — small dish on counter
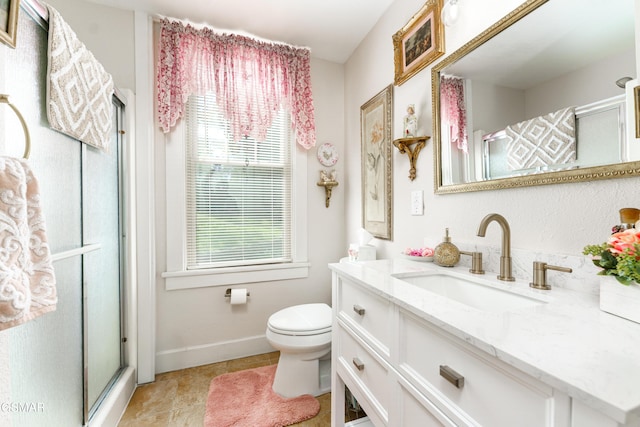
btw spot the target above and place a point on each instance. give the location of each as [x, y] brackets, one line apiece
[418, 258]
[420, 254]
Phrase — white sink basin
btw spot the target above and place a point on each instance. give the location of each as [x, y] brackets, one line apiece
[474, 292]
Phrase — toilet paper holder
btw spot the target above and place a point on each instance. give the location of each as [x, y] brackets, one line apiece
[227, 293]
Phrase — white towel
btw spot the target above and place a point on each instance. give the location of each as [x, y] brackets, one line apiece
[542, 141]
[27, 279]
[79, 90]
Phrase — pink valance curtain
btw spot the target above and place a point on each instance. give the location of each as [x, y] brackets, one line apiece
[252, 80]
[453, 111]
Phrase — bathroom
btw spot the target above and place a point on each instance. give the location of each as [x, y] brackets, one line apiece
[180, 326]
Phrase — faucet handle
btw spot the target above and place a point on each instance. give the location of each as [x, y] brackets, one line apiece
[540, 274]
[476, 261]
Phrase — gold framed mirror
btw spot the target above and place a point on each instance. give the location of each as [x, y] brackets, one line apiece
[511, 57]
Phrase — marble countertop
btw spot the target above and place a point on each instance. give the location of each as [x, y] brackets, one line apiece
[566, 342]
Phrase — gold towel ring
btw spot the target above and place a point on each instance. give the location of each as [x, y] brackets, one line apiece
[27, 144]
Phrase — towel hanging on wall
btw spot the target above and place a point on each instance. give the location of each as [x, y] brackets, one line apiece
[542, 141]
[79, 90]
[27, 279]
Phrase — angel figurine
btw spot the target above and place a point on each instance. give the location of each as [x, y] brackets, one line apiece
[410, 122]
[328, 176]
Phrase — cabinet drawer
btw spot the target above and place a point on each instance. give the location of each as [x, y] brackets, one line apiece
[492, 393]
[414, 409]
[366, 368]
[368, 314]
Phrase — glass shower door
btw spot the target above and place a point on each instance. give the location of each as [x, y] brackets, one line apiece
[56, 369]
[102, 267]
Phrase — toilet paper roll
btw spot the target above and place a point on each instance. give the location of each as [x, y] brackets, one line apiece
[238, 296]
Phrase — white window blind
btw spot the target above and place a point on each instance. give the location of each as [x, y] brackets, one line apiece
[238, 192]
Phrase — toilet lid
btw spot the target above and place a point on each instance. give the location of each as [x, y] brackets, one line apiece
[305, 319]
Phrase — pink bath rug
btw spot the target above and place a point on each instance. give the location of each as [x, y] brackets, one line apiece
[245, 399]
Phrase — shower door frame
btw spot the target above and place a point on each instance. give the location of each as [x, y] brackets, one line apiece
[90, 410]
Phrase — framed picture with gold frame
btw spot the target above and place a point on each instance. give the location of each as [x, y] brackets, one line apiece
[9, 21]
[376, 119]
[419, 42]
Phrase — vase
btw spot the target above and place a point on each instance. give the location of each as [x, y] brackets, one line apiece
[620, 300]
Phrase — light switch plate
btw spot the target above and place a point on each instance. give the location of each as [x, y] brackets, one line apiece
[417, 202]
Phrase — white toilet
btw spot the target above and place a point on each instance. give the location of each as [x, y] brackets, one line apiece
[302, 334]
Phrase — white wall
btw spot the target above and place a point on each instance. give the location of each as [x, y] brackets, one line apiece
[495, 107]
[599, 78]
[548, 219]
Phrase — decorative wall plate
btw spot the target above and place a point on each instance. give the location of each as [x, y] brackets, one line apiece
[327, 154]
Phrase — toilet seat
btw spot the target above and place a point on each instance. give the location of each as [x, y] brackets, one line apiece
[301, 320]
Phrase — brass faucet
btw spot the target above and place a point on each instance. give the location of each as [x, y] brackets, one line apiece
[540, 274]
[505, 258]
[476, 261]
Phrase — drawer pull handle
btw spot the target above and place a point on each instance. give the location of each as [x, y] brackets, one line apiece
[358, 364]
[452, 376]
[358, 309]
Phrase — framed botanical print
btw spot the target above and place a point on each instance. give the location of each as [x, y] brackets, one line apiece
[419, 42]
[376, 119]
[9, 21]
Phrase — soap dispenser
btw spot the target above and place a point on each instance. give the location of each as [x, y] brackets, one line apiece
[446, 253]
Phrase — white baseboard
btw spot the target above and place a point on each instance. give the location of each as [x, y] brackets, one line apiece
[188, 357]
[114, 405]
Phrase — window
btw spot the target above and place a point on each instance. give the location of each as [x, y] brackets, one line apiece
[238, 192]
[236, 211]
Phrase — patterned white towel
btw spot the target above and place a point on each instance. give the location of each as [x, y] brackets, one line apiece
[27, 279]
[79, 90]
[543, 141]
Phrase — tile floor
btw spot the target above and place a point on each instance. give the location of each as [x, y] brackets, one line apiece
[177, 399]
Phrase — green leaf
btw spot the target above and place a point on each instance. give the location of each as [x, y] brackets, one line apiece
[607, 260]
[625, 281]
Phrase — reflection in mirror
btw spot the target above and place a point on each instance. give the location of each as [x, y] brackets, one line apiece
[538, 98]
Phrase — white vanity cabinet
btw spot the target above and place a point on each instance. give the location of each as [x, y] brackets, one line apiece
[405, 372]
[471, 388]
[361, 340]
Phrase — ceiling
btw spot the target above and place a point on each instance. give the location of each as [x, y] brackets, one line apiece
[331, 28]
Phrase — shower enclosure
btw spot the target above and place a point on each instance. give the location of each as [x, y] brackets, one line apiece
[61, 368]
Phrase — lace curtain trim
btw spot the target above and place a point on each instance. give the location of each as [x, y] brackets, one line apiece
[453, 110]
[273, 76]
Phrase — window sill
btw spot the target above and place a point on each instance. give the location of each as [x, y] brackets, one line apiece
[190, 279]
